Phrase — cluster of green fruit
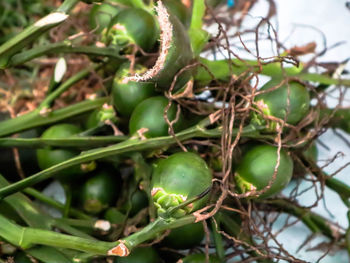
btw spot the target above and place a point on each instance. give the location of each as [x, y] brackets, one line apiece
[140, 109]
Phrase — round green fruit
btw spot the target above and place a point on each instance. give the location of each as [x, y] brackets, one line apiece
[291, 100]
[50, 156]
[200, 258]
[127, 95]
[140, 254]
[99, 192]
[181, 176]
[185, 237]
[149, 114]
[257, 167]
[133, 26]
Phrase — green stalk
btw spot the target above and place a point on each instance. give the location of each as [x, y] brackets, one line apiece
[198, 36]
[32, 216]
[33, 32]
[339, 118]
[25, 208]
[217, 237]
[91, 224]
[315, 222]
[221, 71]
[347, 235]
[46, 103]
[131, 145]
[73, 142]
[62, 47]
[67, 6]
[51, 202]
[35, 119]
[151, 231]
[26, 237]
[68, 203]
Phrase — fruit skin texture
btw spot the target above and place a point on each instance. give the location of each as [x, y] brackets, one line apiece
[135, 25]
[179, 177]
[49, 156]
[140, 254]
[276, 103]
[126, 96]
[257, 167]
[200, 258]
[149, 114]
[185, 237]
[99, 192]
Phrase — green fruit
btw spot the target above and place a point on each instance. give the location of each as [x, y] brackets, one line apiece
[139, 200]
[101, 15]
[114, 216]
[127, 95]
[149, 114]
[99, 192]
[181, 176]
[178, 9]
[178, 56]
[292, 99]
[133, 26]
[256, 170]
[310, 154]
[185, 237]
[200, 258]
[100, 116]
[50, 156]
[140, 255]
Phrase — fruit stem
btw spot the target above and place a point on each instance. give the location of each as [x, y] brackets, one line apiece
[151, 231]
[130, 145]
[34, 119]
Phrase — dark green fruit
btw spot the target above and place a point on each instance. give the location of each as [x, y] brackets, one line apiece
[139, 200]
[185, 237]
[310, 154]
[50, 156]
[181, 176]
[256, 170]
[291, 99]
[140, 255]
[128, 94]
[133, 26]
[149, 114]
[99, 192]
[101, 15]
[200, 258]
